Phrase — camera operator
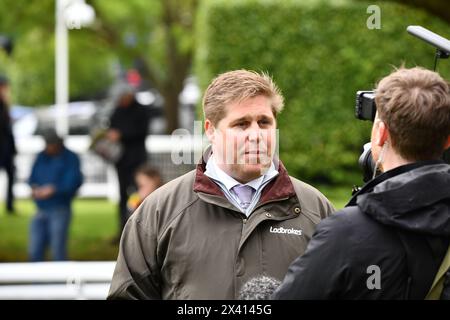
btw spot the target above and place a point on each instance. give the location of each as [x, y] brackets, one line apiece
[390, 240]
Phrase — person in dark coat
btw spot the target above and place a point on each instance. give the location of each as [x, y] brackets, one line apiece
[389, 241]
[129, 125]
[7, 143]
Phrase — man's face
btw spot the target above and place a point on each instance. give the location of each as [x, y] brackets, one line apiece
[5, 93]
[243, 142]
[146, 185]
[376, 140]
[126, 100]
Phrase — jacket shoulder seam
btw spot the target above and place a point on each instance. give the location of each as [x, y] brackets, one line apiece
[169, 223]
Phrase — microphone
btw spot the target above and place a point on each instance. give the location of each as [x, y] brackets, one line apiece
[259, 288]
[432, 38]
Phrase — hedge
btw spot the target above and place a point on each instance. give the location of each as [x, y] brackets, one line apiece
[319, 53]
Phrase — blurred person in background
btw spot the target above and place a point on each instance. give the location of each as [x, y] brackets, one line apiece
[55, 179]
[128, 125]
[7, 143]
[147, 180]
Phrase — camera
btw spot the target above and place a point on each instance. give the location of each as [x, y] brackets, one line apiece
[365, 108]
[366, 162]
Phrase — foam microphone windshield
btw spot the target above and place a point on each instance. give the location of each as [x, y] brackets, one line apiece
[258, 288]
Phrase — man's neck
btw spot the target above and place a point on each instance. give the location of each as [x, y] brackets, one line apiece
[393, 160]
[242, 180]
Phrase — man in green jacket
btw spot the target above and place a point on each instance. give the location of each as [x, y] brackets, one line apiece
[237, 216]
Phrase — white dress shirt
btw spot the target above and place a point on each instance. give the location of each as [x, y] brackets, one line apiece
[226, 183]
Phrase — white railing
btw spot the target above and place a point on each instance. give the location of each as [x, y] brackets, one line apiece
[67, 280]
[100, 178]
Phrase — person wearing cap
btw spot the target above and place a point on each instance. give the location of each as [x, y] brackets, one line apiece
[129, 126]
[54, 180]
[7, 143]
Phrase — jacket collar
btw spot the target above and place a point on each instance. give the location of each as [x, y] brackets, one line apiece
[279, 188]
[416, 200]
[370, 185]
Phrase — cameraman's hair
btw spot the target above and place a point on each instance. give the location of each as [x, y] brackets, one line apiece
[236, 86]
[415, 105]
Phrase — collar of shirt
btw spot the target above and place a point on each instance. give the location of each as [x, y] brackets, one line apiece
[226, 183]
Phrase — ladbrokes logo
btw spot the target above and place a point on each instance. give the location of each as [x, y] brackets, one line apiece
[286, 231]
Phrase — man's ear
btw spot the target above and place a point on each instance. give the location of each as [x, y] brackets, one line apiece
[209, 130]
[381, 134]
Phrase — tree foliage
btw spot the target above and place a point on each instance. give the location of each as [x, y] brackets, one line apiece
[155, 36]
[319, 53]
[31, 66]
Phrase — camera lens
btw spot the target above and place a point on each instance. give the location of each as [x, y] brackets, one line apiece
[366, 162]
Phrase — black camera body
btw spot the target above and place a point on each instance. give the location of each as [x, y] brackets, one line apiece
[366, 162]
[365, 108]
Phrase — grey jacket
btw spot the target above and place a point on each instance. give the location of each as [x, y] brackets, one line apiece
[186, 241]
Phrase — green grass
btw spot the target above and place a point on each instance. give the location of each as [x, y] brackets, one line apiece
[338, 196]
[94, 224]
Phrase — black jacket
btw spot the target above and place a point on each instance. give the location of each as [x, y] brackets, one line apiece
[399, 223]
[132, 122]
[7, 142]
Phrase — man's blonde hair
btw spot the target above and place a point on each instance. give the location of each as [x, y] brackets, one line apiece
[415, 105]
[236, 86]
